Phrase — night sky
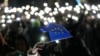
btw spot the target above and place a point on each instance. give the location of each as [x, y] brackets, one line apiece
[1, 1]
[39, 2]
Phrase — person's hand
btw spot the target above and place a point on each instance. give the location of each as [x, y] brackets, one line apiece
[37, 46]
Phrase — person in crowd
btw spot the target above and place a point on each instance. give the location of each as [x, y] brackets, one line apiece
[21, 46]
[4, 46]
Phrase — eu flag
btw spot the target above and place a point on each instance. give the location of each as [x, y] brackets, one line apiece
[56, 31]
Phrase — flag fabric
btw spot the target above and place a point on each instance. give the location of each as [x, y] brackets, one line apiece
[56, 31]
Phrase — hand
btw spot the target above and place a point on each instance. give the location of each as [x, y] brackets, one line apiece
[37, 46]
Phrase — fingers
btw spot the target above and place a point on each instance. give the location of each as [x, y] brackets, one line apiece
[35, 50]
[37, 46]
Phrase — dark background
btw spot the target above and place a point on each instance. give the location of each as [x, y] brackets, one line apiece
[40, 2]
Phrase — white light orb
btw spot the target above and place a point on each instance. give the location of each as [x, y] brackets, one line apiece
[57, 4]
[6, 10]
[3, 21]
[94, 11]
[8, 17]
[66, 3]
[3, 25]
[57, 41]
[23, 7]
[87, 7]
[46, 22]
[55, 12]
[55, 9]
[75, 18]
[94, 7]
[9, 21]
[66, 19]
[53, 19]
[86, 12]
[36, 8]
[41, 13]
[3, 16]
[47, 9]
[26, 12]
[45, 4]
[32, 7]
[28, 16]
[27, 7]
[14, 10]
[12, 16]
[32, 20]
[20, 10]
[98, 16]
[45, 19]
[93, 17]
[51, 14]
[49, 20]
[62, 9]
[18, 19]
[69, 8]
[36, 13]
[69, 15]
[32, 13]
[43, 38]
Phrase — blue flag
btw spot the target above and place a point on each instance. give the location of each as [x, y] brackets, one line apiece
[56, 31]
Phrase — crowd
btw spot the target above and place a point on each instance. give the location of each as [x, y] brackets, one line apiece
[19, 37]
[85, 39]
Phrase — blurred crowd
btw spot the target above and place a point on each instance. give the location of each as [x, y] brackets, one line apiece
[19, 28]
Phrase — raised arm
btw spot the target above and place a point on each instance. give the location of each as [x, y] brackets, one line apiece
[2, 39]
